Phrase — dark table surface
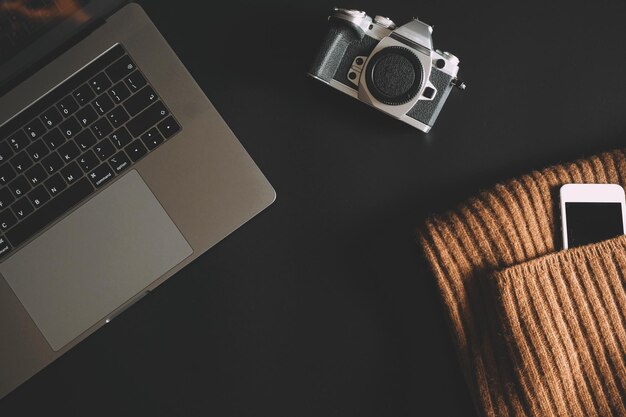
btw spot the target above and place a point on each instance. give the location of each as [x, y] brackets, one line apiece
[322, 305]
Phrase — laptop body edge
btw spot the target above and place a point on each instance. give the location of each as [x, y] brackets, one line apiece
[203, 178]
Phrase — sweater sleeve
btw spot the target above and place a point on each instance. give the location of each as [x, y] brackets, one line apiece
[510, 224]
[563, 317]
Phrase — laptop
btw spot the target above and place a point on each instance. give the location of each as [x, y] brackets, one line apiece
[115, 172]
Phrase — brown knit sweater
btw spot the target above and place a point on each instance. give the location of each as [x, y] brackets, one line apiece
[540, 331]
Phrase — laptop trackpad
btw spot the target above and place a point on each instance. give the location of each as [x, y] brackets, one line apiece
[95, 260]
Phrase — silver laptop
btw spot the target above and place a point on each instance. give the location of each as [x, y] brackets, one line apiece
[115, 172]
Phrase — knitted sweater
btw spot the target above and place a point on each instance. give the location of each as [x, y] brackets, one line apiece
[540, 331]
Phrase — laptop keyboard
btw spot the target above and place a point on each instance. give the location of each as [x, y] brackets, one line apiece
[73, 141]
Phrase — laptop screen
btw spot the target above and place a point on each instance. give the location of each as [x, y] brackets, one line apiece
[32, 31]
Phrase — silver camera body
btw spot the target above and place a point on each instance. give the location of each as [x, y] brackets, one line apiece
[394, 69]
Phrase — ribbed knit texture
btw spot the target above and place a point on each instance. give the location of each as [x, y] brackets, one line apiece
[539, 331]
[563, 316]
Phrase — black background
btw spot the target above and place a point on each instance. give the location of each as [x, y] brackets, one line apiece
[322, 305]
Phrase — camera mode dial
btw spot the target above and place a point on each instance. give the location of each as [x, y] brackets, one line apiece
[385, 22]
[351, 12]
[394, 76]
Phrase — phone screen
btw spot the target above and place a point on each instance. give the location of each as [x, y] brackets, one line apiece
[593, 222]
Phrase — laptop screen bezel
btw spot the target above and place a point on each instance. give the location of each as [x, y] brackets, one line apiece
[53, 42]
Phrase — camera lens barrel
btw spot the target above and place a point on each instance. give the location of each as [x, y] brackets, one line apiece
[394, 76]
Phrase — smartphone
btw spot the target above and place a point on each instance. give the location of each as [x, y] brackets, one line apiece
[592, 213]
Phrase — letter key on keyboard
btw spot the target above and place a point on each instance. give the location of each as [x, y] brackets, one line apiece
[75, 140]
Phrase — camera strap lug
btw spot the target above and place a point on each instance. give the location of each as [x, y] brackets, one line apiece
[458, 84]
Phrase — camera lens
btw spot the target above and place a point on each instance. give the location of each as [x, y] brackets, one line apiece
[394, 76]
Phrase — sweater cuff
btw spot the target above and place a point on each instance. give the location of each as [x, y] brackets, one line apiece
[510, 224]
[563, 317]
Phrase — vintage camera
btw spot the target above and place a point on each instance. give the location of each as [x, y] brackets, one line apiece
[394, 69]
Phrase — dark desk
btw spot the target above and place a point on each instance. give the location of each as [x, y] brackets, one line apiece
[322, 306]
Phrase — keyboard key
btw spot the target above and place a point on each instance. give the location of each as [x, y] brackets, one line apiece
[22, 208]
[71, 173]
[101, 175]
[39, 196]
[152, 138]
[54, 139]
[100, 83]
[104, 149]
[6, 198]
[21, 162]
[103, 104]
[140, 101]
[120, 162]
[18, 140]
[37, 150]
[86, 116]
[136, 150]
[121, 138]
[101, 128]
[89, 134]
[148, 118]
[135, 81]
[7, 220]
[169, 127]
[52, 163]
[119, 92]
[36, 175]
[117, 116]
[51, 117]
[120, 69]
[35, 129]
[5, 247]
[84, 94]
[85, 140]
[88, 161]
[69, 151]
[19, 187]
[70, 128]
[52, 98]
[67, 106]
[6, 174]
[54, 209]
[55, 184]
[5, 151]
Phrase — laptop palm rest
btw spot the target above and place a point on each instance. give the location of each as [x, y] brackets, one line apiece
[96, 259]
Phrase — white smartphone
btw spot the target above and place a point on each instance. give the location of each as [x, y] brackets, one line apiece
[592, 213]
